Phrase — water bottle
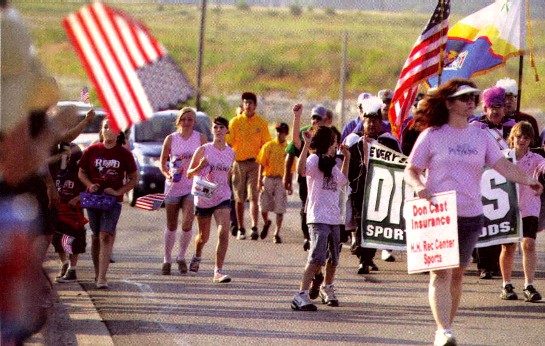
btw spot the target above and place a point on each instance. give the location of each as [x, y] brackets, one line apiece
[177, 169]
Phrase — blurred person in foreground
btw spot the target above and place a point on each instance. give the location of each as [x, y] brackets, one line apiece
[454, 155]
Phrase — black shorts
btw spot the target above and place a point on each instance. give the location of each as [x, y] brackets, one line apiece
[80, 235]
[529, 227]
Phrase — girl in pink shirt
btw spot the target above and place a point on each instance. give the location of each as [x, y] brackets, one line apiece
[529, 204]
[212, 162]
[178, 149]
[324, 180]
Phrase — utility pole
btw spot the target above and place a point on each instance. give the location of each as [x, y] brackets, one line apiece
[343, 75]
[201, 51]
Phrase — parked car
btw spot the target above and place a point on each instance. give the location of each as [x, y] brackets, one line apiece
[90, 133]
[146, 141]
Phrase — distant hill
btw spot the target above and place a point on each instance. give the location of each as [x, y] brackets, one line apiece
[459, 7]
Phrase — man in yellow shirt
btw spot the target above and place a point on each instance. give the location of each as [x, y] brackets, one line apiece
[273, 196]
[248, 132]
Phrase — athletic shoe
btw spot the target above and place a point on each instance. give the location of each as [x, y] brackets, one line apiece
[241, 234]
[194, 265]
[182, 266]
[254, 235]
[531, 295]
[165, 270]
[363, 269]
[508, 293]
[301, 302]
[314, 290]
[70, 276]
[327, 293]
[265, 230]
[102, 285]
[277, 239]
[444, 338]
[306, 245]
[387, 256]
[221, 278]
[62, 271]
[486, 275]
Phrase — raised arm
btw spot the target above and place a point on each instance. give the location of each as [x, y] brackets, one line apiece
[296, 125]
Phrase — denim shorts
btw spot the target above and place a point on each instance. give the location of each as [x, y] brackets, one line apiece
[104, 220]
[209, 211]
[469, 230]
[324, 243]
[177, 199]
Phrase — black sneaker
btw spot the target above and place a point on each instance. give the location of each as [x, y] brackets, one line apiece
[265, 230]
[306, 245]
[254, 235]
[234, 229]
[70, 276]
[486, 275]
[62, 271]
[277, 239]
[508, 293]
[241, 235]
[363, 269]
[314, 290]
[165, 269]
[531, 295]
[372, 266]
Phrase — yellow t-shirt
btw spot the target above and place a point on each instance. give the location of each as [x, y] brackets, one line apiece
[272, 156]
[247, 135]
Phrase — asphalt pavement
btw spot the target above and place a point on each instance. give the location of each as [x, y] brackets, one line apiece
[388, 307]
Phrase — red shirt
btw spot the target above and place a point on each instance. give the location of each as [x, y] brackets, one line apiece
[107, 167]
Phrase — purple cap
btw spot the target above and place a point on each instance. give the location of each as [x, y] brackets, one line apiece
[494, 96]
[319, 110]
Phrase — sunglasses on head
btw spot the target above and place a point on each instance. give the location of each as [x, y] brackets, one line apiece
[468, 97]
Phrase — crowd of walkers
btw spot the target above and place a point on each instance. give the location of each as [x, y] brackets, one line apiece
[243, 163]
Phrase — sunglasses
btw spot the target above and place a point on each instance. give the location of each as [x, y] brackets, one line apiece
[468, 97]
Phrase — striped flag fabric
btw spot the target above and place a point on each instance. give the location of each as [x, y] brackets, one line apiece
[424, 61]
[132, 73]
[84, 95]
[150, 202]
[66, 242]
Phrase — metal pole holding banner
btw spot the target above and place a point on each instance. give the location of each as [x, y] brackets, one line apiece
[521, 64]
[343, 77]
[201, 51]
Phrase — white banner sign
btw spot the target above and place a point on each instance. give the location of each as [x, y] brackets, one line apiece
[432, 233]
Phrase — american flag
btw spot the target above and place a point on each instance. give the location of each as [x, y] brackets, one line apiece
[150, 202]
[424, 61]
[66, 242]
[84, 95]
[132, 72]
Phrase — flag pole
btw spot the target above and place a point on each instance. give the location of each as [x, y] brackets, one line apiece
[441, 51]
[521, 64]
[200, 58]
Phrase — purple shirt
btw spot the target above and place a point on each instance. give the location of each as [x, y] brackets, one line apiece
[454, 159]
[182, 149]
[534, 165]
[217, 171]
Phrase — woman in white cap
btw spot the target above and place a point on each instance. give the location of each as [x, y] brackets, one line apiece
[454, 155]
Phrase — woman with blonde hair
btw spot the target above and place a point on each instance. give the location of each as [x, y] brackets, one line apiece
[178, 149]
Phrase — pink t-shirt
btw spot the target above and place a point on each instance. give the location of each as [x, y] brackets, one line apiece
[454, 159]
[182, 150]
[323, 194]
[534, 165]
[217, 171]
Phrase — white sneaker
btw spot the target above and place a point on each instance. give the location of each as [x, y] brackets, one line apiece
[387, 256]
[301, 301]
[221, 278]
[444, 338]
[327, 293]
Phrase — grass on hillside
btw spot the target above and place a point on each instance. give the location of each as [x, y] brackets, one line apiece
[270, 51]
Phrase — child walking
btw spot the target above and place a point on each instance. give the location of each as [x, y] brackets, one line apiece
[324, 181]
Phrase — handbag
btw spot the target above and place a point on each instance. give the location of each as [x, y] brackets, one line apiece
[101, 201]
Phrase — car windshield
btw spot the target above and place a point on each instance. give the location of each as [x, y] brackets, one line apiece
[154, 129]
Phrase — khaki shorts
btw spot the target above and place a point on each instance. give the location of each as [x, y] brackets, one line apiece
[245, 180]
[273, 197]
